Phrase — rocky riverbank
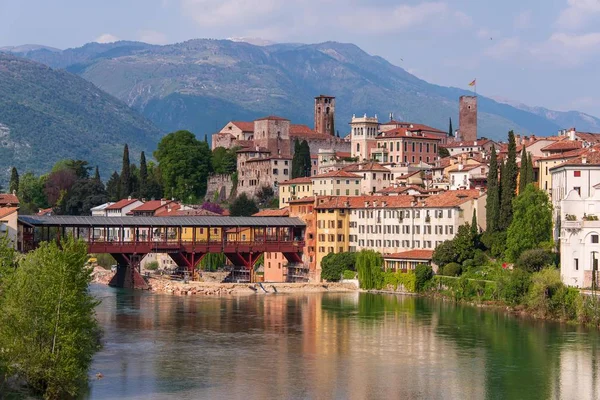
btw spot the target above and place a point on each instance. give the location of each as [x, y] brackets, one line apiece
[161, 284]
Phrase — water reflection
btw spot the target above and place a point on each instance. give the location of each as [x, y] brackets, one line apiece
[344, 346]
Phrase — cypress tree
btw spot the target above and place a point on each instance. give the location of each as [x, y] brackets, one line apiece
[474, 225]
[530, 177]
[305, 160]
[523, 174]
[113, 187]
[125, 189]
[450, 130]
[143, 176]
[13, 187]
[97, 174]
[296, 167]
[509, 183]
[205, 138]
[492, 209]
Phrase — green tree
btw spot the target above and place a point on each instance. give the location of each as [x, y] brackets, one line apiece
[509, 183]
[301, 163]
[296, 160]
[125, 187]
[532, 222]
[265, 196]
[423, 274]
[80, 168]
[184, 164]
[444, 253]
[523, 175]
[97, 175]
[443, 152]
[368, 266]
[333, 265]
[243, 206]
[224, 161]
[154, 189]
[7, 265]
[530, 174]
[450, 130]
[31, 193]
[83, 196]
[143, 183]
[48, 330]
[113, 187]
[13, 187]
[534, 260]
[474, 225]
[492, 208]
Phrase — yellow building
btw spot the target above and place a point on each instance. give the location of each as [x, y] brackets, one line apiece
[546, 163]
[294, 189]
[336, 183]
[333, 226]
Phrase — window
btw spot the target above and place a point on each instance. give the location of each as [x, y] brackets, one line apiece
[275, 172]
[576, 262]
[577, 189]
[594, 238]
[576, 174]
[339, 224]
[285, 171]
[285, 162]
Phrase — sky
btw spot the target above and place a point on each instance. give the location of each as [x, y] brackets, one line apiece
[537, 52]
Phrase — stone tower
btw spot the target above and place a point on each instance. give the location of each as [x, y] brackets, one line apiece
[273, 133]
[467, 118]
[364, 130]
[325, 114]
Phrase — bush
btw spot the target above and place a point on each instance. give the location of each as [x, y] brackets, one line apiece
[479, 258]
[423, 274]
[534, 260]
[348, 274]
[468, 264]
[444, 253]
[333, 265]
[152, 266]
[494, 242]
[513, 286]
[452, 269]
[544, 285]
[394, 279]
[368, 266]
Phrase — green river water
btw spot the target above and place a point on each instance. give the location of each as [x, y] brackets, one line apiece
[333, 346]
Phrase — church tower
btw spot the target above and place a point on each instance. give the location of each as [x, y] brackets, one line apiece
[325, 114]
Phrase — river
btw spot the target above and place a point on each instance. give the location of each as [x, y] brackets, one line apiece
[333, 346]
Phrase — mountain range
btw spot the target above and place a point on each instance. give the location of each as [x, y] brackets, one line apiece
[47, 115]
[201, 84]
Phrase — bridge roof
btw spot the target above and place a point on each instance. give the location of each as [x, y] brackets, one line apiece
[188, 221]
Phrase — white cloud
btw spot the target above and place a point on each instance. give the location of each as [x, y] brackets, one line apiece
[587, 41]
[504, 48]
[522, 20]
[228, 12]
[106, 38]
[567, 50]
[152, 37]
[578, 13]
[463, 19]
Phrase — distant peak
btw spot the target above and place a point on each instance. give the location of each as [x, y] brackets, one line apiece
[251, 40]
[24, 48]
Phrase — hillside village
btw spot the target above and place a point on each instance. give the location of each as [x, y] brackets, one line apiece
[399, 188]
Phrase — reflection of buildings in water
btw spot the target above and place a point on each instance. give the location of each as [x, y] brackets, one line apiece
[579, 372]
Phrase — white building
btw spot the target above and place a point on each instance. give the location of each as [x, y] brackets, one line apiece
[579, 238]
[375, 176]
[363, 132]
[100, 211]
[468, 176]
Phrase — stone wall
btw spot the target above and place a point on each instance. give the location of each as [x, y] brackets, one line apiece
[330, 143]
[221, 184]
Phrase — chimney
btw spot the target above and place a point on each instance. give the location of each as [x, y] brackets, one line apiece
[129, 198]
[517, 139]
[374, 203]
[384, 204]
[584, 160]
[572, 132]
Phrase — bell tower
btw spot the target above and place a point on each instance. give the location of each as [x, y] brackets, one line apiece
[325, 114]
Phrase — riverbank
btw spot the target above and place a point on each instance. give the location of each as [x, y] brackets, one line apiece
[162, 284]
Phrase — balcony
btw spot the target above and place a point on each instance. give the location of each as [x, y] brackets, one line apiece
[571, 225]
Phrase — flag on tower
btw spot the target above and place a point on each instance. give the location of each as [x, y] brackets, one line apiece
[473, 82]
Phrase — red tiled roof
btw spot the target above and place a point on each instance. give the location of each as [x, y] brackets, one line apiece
[412, 255]
[466, 167]
[337, 174]
[253, 150]
[310, 199]
[245, 126]
[6, 211]
[7, 198]
[152, 205]
[281, 212]
[295, 181]
[409, 174]
[366, 166]
[343, 154]
[121, 204]
[269, 158]
[298, 129]
[565, 155]
[588, 136]
[409, 133]
[401, 189]
[592, 157]
[412, 126]
[196, 212]
[272, 118]
[45, 211]
[477, 143]
[563, 145]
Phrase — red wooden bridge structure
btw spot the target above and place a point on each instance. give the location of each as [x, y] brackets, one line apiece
[185, 239]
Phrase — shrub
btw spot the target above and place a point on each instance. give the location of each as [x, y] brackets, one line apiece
[513, 286]
[479, 258]
[333, 265]
[534, 260]
[394, 279]
[452, 269]
[544, 285]
[423, 274]
[152, 266]
[468, 264]
[348, 274]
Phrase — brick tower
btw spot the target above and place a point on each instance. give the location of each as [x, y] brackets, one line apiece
[325, 114]
[467, 118]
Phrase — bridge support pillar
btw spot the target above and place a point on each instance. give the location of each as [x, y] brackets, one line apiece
[128, 272]
[246, 260]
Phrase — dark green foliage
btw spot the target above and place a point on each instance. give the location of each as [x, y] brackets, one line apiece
[184, 164]
[513, 286]
[532, 222]
[243, 206]
[7, 267]
[143, 180]
[31, 193]
[450, 130]
[534, 260]
[508, 183]
[459, 249]
[523, 174]
[452, 269]
[13, 187]
[530, 174]
[62, 116]
[443, 152]
[479, 258]
[333, 265]
[126, 186]
[368, 266]
[97, 174]
[224, 161]
[474, 225]
[84, 195]
[113, 187]
[214, 261]
[154, 189]
[423, 274]
[444, 253]
[301, 164]
[48, 330]
[265, 196]
[493, 195]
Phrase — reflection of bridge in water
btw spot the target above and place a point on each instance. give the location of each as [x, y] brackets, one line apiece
[186, 239]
